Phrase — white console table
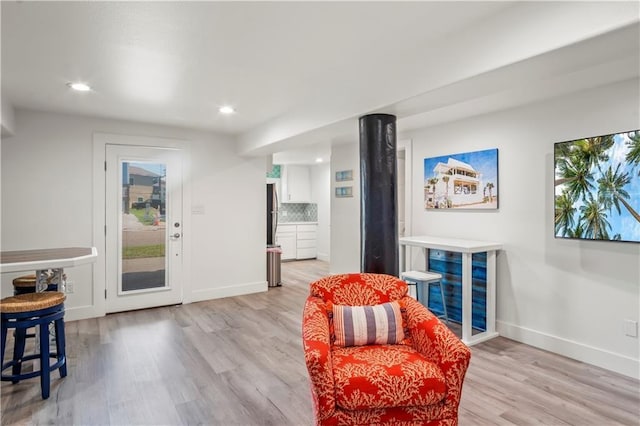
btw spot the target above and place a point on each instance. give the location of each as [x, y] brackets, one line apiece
[466, 248]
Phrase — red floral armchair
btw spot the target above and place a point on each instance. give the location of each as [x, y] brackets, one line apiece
[417, 381]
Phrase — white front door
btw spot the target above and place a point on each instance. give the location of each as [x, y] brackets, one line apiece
[143, 227]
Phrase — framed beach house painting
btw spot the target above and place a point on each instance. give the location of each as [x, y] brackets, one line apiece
[462, 181]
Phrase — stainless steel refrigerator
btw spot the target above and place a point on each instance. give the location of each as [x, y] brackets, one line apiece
[274, 253]
[272, 213]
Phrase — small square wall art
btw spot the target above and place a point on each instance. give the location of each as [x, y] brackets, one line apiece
[344, 175]
[344, 191]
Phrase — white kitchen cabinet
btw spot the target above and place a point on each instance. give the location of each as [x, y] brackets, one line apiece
[296, 184]
[306, 241]
[286, 238]
[297, 241]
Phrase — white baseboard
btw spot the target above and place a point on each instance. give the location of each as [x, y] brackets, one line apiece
[609, 360]
[322, 256]
[90, 311]
[80, 313]
[229, 291]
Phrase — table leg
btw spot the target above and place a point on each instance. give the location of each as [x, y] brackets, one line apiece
[42, 280]
[491, 292]
[47, 277]
[467, 314]
[466, 297]
[403, 258]
[57, 278]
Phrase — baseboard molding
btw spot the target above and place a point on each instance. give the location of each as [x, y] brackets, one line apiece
[229, 291]
[80, 313]
[609, 360]
[323, 256]
[89, 311]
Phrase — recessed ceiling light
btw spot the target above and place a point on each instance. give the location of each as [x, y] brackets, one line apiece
[318, 160]
[80, 87]
[226, 109]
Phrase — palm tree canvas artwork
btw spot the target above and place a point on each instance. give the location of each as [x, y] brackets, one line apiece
[597, 187]
[462, 181]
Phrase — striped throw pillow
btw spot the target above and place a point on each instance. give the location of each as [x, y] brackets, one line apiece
[368, 325]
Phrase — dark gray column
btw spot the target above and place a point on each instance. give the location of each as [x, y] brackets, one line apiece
[378, 194]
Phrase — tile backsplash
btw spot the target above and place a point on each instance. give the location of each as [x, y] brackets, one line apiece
[298, 212]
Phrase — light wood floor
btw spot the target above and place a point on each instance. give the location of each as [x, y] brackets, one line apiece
[238, 361]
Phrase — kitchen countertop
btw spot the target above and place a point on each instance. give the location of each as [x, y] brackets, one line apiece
[297, 223]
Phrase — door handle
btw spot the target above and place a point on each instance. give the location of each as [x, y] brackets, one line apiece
[175, 236]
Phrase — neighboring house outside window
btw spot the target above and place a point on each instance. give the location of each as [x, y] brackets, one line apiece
[143, 185]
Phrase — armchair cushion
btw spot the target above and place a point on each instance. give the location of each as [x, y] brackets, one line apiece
[383, 376]
[367, 325]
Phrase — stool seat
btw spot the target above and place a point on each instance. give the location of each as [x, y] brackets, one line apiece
[25, 281]
[428, 278]
[27, 284]
[31, 302]
[28, 310]
[424, 276]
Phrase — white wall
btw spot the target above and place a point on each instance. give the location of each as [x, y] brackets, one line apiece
[569, 297]
[401, 188]
[7, 118]
[345, 212]
[320, 194]
[228, 248]
[47, 198]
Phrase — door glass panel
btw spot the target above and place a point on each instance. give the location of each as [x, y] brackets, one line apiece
[144, 238]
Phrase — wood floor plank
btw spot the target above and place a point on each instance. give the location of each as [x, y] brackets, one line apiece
[239, 361]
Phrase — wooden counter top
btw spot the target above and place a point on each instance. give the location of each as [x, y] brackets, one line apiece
[31, 260]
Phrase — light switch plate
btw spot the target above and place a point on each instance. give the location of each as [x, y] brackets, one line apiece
[631, 328]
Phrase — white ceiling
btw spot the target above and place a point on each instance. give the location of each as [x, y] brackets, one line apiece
[301, 73]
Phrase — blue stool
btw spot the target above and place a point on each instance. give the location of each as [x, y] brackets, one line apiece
[428, 278]
[34, 310]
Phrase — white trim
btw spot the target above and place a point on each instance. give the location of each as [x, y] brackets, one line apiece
[229, 291]
[407, 146]
[591, 355]
[100, 140]
[323, 256]
[99, 241]
[79, 313]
